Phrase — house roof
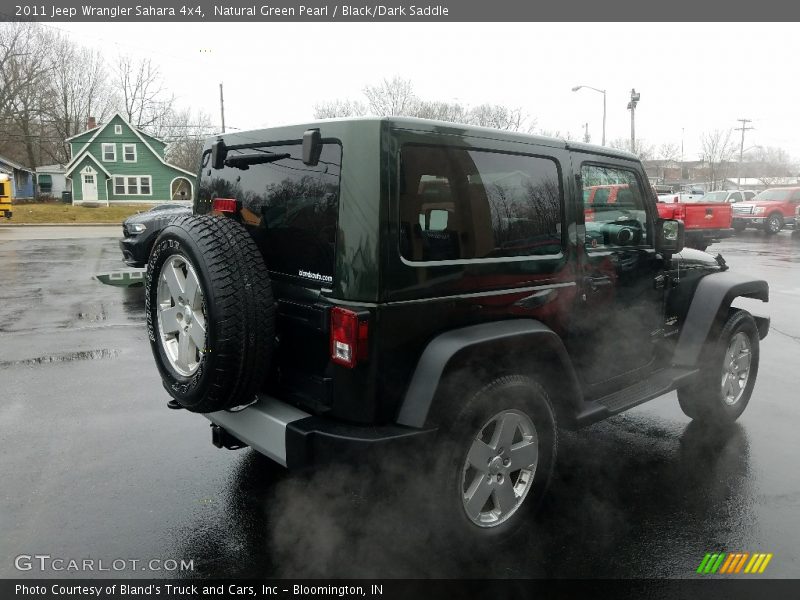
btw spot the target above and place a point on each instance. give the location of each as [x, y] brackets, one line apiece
[84, 155]
[137, 133]
[85, 132]
[14, 165]
[50, 169]
[765, 180]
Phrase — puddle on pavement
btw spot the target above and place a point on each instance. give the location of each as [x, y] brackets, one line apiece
[99, 354]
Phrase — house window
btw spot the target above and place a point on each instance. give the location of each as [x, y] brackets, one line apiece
[109, 152]
[133, 186]
[129, 152]
[144, 185]
[118, 129]
[45, 184]
[119, 186]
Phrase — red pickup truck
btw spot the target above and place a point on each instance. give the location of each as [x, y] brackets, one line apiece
[704, 222]
[771, 210]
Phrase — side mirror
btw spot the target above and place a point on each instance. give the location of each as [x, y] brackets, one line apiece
[219, 151]
[669, 236]
[312, 147]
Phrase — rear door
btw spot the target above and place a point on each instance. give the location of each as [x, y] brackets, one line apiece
[619, 316]
[291, 211]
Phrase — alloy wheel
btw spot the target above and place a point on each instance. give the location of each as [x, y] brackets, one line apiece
[181, 315]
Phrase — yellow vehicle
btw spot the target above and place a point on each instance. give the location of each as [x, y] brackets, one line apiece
[5, 196]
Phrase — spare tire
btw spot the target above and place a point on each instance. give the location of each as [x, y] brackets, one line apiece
[210, 312]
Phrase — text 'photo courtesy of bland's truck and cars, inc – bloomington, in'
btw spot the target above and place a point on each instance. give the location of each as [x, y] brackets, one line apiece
[438, 326]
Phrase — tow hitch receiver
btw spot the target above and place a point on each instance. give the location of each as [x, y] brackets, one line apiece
[222, 439]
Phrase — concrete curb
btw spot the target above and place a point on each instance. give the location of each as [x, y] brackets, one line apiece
[62, 225]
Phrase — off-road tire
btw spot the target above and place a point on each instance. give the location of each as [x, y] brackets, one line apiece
[461, 423]
[237, 304]
[704, 399]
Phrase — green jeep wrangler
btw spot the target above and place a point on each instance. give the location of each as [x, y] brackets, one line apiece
[359, 284]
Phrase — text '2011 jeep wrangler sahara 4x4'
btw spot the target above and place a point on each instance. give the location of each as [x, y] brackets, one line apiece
[360, 283]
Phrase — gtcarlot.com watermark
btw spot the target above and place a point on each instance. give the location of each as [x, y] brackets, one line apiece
[46, 562]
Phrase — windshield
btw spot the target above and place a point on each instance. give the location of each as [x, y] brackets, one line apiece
[774, 195]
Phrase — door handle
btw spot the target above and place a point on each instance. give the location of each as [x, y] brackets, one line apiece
[597, 282]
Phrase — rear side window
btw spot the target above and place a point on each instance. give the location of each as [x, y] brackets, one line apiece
[293, 206]
[460, 204]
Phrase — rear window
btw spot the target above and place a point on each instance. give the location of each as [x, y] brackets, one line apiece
[293, 207]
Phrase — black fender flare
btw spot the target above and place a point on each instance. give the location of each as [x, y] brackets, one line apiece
[710, 304]
[526, 342]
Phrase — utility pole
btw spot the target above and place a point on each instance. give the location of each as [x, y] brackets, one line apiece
[743, 128]
[632, 107]
[222, 108]
[586, 137]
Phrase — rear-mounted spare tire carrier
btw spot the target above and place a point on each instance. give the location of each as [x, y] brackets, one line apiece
[238, 309]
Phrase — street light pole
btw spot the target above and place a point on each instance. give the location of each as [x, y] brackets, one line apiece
[577, 87]
[632, 107]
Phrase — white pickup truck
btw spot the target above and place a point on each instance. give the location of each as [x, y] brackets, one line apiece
[668, 195]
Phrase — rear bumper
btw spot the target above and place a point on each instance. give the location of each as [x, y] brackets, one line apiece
[296, 439]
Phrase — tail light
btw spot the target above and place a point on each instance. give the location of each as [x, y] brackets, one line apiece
[224, 205]
[679, 213]
[349, 335]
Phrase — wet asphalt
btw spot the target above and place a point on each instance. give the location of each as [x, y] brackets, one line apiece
[93, 465]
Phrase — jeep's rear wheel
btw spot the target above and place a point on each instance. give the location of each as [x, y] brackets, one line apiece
[729, 373]
[497, 457]
[210, 313]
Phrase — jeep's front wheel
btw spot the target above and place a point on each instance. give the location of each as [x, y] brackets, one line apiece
[497, 458]
[728, 373]
[210, 313]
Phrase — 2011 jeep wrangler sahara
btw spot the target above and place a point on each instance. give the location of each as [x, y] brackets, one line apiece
[360, 283]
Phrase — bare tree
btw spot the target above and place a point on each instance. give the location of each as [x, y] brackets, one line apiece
[644, 150]
[391, 97]
[79, 89]
[146, 103]
[668, 151]
[718, 150]
[185, 137]
[25, 65]
[557, 133]
[339, 108]
[396, 97]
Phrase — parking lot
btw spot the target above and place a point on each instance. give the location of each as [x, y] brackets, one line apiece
[94, 465]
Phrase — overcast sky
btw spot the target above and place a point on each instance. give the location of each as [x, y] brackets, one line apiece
[692, 77]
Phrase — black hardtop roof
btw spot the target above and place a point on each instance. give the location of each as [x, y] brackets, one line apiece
[427, 125]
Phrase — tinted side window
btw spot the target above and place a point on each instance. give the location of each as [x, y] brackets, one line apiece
[795, 196]
[294, 207]
[614, 208]
[459, 204]
[735, 197]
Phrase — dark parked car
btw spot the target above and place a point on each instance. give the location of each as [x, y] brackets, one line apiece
[140, 231]
[352, 285]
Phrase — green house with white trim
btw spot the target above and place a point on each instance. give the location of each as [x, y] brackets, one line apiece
[118, 163]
